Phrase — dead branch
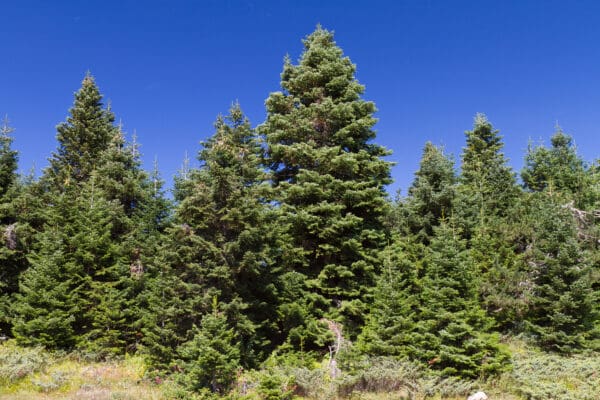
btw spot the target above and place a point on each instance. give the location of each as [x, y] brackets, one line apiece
[10, 236]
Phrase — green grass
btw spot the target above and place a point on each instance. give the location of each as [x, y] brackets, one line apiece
[34, 374]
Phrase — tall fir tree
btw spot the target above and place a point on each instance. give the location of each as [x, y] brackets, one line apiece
[487, 186]
[394, 314]
[486, 195]
[219, 247]
[563, 314]
[569, 234]
[138, 227]
[329, 179]
[82, 138]
[96, 192]
[12, 259]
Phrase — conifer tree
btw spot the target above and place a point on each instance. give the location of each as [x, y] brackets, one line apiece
[593, 187]
[487, 186]
[137, 225]
[329, 179]
[12, 260]
[453, 330]
[211, 357]
[486, 195]
[497, 251]
[393, 317]
[557, 169]
[563, 311]
[58, 294]
[563, 245]
[219, 246]
[82, 138]
[96, 192]
[431, 193]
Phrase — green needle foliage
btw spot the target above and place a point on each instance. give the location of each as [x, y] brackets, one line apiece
[82, 137]
[329, 179]
[487, 186]
[564, 313]
[12, 261]
[8, 158]
[58, 293]
[487, 194]
[210, 359]
[220, 247]
[289, 226]
[431, 195]
[454, 331]
[101, 209]
[556, 169]
[392, 321]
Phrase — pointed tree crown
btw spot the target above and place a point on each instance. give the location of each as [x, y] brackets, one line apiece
[557, 168]
[432, 192]
[319, 109]
[8, 157]
[329, 179]
[483, 154]
[487, 182]
[87, 132]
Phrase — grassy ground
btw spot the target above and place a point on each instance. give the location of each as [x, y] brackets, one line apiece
[33, 374]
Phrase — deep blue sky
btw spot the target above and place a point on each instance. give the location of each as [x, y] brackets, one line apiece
[169, 67]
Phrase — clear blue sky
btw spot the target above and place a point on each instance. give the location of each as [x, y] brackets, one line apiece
[169, 67]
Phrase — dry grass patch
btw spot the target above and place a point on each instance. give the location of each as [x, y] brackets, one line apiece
[34, 374]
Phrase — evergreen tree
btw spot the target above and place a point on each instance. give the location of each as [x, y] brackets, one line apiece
[58, 294]
[96, 192]
[487, 186]
[393, 316]
[82, 138]
[557, 169]
[137, 227]
[496, 249]
[12, 259]
[563, 310]
[486, 195]
[8, 158]
[593, 187]
[219, 246]
[431, 193]
[182, 185]
[561, 245]
[211, 358]
[453, 330]
[329, 179]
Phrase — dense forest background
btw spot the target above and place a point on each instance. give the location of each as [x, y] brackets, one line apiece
[284, 244]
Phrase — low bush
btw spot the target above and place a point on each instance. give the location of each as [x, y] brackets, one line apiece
[548, 376]
[381, 375]
[19, 362]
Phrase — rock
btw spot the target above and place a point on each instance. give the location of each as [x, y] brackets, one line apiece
[478, 396]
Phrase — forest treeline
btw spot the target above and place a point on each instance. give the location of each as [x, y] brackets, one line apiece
[283, 243]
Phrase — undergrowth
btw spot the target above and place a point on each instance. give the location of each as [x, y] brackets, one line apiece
[548, 376]
[34, 374]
